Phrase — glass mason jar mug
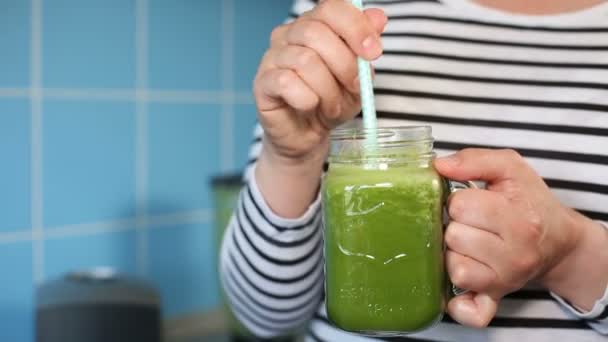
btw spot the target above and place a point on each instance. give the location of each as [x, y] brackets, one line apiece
[383, 225]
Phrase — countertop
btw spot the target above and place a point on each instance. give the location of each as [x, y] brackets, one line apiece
[209, 327]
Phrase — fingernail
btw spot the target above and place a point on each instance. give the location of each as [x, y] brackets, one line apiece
[372, 46]
[451, 160]
[468, 307]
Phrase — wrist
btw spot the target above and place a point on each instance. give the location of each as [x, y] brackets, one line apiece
[289, 185]
[579, 276]
[294, 164]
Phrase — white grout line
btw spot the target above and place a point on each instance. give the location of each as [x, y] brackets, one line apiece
[15, 92]
[203, 216]
[228, 32]
[227, 118]
[90, 94]
[185, 96]
[141, 44]
[122, 95]
[37, 209]
[141, 143]
[180, 218]
[243, 98]
[16, 236]
[87, 229]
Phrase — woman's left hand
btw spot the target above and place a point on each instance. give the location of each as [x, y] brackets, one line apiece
[504, 236]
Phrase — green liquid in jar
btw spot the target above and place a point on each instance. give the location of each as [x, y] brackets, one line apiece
[384, 248]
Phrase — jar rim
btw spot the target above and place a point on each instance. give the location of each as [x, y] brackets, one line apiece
[396, 144]
[389, 134]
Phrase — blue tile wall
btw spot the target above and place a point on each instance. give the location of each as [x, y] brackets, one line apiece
[244, 124]
[92, 149]
[185, 44]
[88, 162]
[14, 152]
[184, 153]
[183, 267]
[16, 292]
[88, 44]
[15, 43]
[254, 20]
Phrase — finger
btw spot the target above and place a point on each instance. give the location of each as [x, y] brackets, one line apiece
[335, 53]
[313, 71]
[473, 309]
[275, 87]
[477, 244]
[467, 273]
[375, 15]
[278, 36]
[513, 261]
[481, 209]
[352, 25]
[377, 18]
[483, 164]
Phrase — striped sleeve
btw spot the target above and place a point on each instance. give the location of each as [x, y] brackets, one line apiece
[272, 268]
[597, 317]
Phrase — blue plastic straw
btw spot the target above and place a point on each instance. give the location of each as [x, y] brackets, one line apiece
[367, 95]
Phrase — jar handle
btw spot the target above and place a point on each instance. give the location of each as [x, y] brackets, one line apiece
[454, 186]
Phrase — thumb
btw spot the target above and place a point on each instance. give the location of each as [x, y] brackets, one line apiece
[481, 164]
[474, 310]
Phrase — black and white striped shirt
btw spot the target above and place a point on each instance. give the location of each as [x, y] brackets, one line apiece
[481, 78]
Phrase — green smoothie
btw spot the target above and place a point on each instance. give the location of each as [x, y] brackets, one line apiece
[384, 248]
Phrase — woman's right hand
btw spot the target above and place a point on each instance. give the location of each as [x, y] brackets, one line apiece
[307, 81]
[305, 86]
